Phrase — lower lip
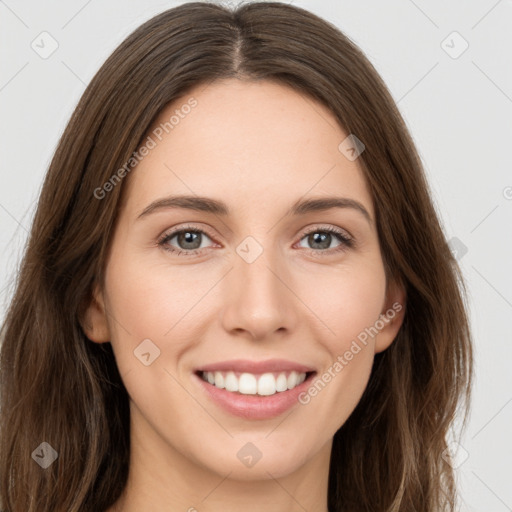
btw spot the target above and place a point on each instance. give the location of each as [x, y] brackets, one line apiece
[255, 407]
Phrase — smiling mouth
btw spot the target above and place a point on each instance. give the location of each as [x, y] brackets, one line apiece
[264, 384]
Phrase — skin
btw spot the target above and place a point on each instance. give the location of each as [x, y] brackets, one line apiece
[258, 147]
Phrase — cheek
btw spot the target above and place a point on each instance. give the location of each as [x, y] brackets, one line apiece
[348, 301]
[349, 304]
[151, 300]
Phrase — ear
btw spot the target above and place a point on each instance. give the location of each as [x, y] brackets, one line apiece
[392, 316]
[94, 318]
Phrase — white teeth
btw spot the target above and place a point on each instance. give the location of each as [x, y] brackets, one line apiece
[219, 380]
[249, 384]
[292, 380]
[267, 384]
[231, 382]
[281, 382]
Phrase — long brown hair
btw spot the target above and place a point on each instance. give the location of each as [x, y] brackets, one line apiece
[58, 387]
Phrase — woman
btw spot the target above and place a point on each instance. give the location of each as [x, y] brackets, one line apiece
[236, 292]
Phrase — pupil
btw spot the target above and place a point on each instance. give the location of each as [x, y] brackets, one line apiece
[187, 237]
[321, 238]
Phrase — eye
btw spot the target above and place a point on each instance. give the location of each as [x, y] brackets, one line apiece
[321, 238]
[189, 241]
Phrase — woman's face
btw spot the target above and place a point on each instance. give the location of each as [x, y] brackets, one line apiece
[245, 270]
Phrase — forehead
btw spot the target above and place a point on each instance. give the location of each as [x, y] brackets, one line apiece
[251, 143]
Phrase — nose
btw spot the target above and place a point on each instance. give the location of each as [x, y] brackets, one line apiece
[260, 301]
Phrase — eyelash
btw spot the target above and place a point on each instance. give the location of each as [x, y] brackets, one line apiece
[345, 241]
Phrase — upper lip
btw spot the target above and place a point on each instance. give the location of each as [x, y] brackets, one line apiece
[245, 365]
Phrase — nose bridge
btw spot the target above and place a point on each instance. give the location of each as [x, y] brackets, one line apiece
[259, 301]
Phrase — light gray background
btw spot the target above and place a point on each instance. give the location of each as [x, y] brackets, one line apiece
[459, 111]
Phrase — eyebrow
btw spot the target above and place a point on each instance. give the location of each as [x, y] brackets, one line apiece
[210, 205]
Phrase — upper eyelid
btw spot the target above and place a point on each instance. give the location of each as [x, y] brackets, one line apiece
[320, 227]
[173, 232]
